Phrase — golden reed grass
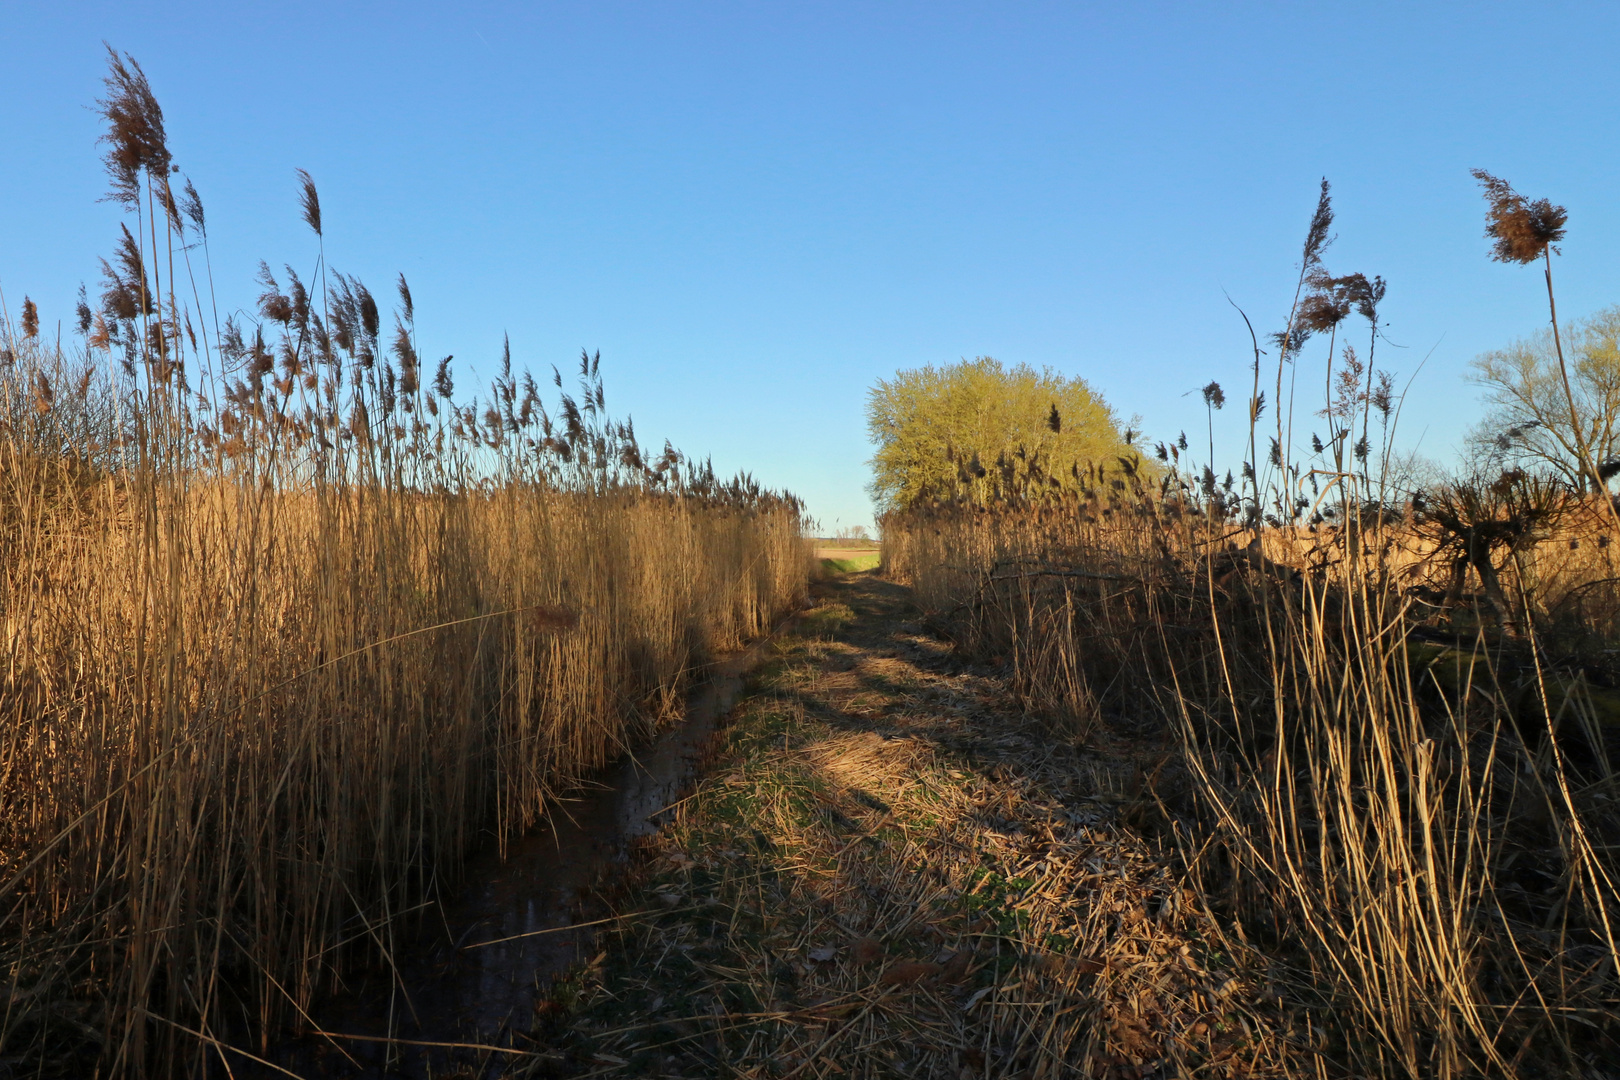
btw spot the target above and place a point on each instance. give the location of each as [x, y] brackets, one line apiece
[1430, 861]
[1392, 714]
[286, 630]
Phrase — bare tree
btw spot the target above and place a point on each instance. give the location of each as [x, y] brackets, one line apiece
[1529, 418]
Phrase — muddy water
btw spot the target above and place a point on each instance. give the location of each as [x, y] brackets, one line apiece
[471, 982]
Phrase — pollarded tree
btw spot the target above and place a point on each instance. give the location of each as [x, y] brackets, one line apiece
[942, 430]
[1529, 419]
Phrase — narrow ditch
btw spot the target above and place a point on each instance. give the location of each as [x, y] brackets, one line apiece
[465, 990]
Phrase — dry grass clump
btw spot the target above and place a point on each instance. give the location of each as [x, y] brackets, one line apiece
[890, 874]
[287, 627]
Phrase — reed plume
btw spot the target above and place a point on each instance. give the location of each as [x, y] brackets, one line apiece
[135, 137]
[1521, 229]
[309, 201]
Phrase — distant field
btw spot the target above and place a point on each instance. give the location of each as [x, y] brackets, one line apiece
[865, 561]
[847, 559]
[844, 542]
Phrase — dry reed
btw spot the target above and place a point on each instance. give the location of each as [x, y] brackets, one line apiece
[1397, 706]
[287, 629]
[1428, 857]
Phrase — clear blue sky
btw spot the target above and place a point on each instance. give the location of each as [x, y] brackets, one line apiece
[754, 211]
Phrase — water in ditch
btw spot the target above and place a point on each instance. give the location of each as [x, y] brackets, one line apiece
[464, 993]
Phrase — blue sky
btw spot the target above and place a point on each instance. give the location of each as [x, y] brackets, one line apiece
[755, 210]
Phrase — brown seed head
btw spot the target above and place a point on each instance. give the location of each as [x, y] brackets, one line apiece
[1316, 237]
[309, 201]
[135, 138]
[405, 300]
[191, 205]
[272, 304]
[1364, 294]
[1523, 230]
[126, 295]
[1325, 306]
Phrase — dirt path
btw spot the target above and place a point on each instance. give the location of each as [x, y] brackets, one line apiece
[889, 870]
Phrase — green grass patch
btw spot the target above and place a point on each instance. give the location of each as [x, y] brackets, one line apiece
[825, 622]
[852, 565]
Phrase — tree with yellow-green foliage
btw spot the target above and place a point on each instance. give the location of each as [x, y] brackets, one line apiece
[1529, 420]
[961, 429]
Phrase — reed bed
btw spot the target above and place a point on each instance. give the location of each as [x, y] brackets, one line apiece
[1414, 810]
[289, 628]
[1396, 705]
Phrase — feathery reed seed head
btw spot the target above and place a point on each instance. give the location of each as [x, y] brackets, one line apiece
[191, 205]
[1523, 230]
[309, 201]
[135, 137]
[1317, 239]
[405, 300]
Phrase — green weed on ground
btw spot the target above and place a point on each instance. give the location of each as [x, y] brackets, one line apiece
[852, 565]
